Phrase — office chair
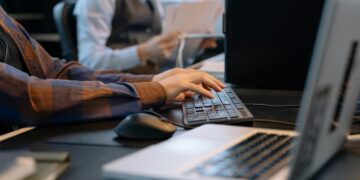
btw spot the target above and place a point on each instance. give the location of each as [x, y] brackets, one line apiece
[66, 25]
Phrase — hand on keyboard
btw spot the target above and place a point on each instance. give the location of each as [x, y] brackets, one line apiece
[225, 107]
[178, 82]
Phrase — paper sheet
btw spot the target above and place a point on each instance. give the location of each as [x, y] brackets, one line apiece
[214, 64]
[192, 17]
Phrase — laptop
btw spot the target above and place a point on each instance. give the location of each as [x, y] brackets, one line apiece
[215, 151]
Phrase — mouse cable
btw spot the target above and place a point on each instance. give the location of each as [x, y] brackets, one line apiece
[163, 118]
[272, 105]
[242, 121]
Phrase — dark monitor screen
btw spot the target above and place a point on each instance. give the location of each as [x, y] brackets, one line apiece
[269, 43]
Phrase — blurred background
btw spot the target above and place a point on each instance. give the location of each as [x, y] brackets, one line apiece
[37, 18]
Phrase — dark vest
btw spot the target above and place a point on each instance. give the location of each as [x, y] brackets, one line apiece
[134, 22]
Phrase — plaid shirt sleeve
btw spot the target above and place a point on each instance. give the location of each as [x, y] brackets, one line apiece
[61, 92]
[28, 100]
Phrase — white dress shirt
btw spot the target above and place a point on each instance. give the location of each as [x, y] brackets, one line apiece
[94, 20]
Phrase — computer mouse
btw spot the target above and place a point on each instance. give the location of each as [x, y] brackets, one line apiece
[144, 126]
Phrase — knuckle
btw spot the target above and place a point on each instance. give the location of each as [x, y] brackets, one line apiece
[177, 70]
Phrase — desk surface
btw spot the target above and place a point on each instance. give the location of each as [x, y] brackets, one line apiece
[86, 160]
[87, 157]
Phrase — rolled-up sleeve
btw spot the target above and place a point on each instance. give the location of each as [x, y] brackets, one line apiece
[28, 100]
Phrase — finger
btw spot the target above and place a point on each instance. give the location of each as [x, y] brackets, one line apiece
[169, 45]
[206, 87]
[209, 43]
[190, 70]
[189, 93]
[221, 84]
[199, 89]
[173, 36]
[166, 53]
[202, 78]
[209, 82]
[202, 73]
[180, 97]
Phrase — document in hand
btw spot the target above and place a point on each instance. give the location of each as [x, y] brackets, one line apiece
[192, 18]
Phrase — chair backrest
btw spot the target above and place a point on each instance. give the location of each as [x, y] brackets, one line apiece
[66, 25]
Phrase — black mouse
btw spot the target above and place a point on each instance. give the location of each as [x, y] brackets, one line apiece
[144, 126]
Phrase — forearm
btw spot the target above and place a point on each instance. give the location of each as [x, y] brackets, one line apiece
[27, 100]
[75, 71]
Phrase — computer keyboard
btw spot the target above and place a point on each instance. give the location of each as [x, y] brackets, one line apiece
[258, 156]
[226, 107]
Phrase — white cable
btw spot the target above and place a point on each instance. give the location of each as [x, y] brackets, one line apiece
[183, 37]
[179, 57]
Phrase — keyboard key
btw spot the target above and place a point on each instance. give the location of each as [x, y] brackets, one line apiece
[228, 107]
[239, 106]
[216, 102]
[231, 95]
[205, 99]
[219, 107]
[250, 158]
[235, 100]
[232, 113]
[201, 116]
[208, 104]
[199, 109]
[190, 111]
[225, 101]
[222, 113]
[189, 104]
[209, 110]
[191, 117]
[198, 103]
[212, 116]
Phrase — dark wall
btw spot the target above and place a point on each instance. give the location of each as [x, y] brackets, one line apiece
[37, 18]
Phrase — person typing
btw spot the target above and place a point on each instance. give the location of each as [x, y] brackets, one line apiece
[37, 89]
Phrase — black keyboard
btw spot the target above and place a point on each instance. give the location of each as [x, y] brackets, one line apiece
[226, 107]
[258, 156]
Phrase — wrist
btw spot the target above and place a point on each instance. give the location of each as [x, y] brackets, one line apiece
[141, 51]
[152, 94]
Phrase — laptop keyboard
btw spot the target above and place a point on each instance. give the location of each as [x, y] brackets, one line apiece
[258, 156]
[225, 107]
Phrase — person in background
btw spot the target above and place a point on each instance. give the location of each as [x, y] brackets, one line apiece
[124, 35]
[37, 89]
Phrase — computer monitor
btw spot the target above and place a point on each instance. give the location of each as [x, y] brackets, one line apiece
[269, 43]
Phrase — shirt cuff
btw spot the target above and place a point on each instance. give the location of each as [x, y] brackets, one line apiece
[137, 78]
[152, 94]
[130, 56]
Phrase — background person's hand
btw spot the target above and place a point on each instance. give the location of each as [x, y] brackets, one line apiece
[158, 48]
[208, 42]
[180, 85]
